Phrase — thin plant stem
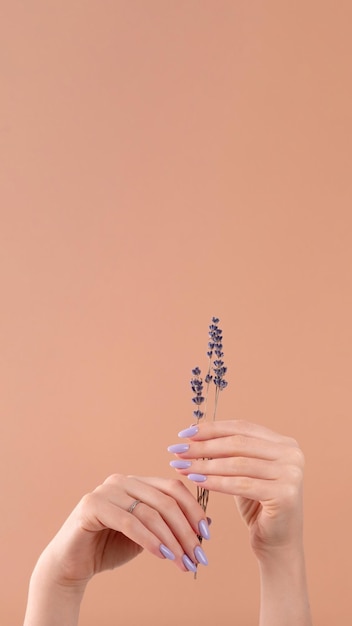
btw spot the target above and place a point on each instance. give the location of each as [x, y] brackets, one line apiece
[217, 366]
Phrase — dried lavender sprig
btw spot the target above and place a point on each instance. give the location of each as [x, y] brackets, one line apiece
[197, 388]
[215, 347]
[219, 369]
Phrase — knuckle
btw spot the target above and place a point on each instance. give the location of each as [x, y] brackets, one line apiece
[290, 495]
[86, 507]
[300, 458]
[295, 474]
[297, 457]
[87, 501]
[175, 485]
[238, 463]
[245, 484]
[239, 442]
[114, 479]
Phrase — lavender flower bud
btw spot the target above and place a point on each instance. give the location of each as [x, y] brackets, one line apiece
[198, 400]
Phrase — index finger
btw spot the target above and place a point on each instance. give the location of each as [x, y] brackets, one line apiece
[226, 428]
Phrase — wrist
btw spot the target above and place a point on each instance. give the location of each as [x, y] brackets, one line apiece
[50, 572]
[284, 592]
[52, 602]
[276, 557]
[43, 578]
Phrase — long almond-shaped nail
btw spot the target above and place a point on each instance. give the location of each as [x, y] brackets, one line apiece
[200, 555]
[180, 464]
[188, 432]
[204, 529]
[178, 448]
[197, 478]
[188, 563]
[166, 552]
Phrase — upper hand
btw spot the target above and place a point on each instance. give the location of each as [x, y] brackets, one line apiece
[262, 469]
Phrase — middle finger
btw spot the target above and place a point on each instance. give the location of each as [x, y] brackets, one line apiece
[234, 445]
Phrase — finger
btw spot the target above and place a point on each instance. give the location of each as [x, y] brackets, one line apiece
[97, 512]
[251, 488]
[225, 428]
[182, 513]
[160, 512]
[184, 498]
[232, 466]
[231, 446]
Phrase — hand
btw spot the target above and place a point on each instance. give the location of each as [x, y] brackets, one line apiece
[262, 469]
[101, 534]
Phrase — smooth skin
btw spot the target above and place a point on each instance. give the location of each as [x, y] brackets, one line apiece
[263, 470]
[101, 534]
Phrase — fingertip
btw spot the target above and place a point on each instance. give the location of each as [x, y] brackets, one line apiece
[188, 432]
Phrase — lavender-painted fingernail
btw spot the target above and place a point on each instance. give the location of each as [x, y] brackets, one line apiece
[178, 448]
[188, 432]
[204, 529]
[200, 555]
[166, 552]
[188, 563]
[179, 464]
[198, 478]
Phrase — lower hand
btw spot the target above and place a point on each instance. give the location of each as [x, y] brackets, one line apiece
[102, 534]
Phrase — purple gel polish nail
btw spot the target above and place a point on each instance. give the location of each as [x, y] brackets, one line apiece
[188, 432]
[166, 552]
[179, 464]
[188, 563]
[178, 448]
[200, 555]
[204, 529]
[198, 478]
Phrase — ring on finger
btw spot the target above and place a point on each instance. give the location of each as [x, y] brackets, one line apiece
[133, 506]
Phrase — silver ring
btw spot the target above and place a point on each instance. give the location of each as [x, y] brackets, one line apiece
[133, 506]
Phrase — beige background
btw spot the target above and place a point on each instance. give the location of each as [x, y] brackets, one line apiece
[161, 162]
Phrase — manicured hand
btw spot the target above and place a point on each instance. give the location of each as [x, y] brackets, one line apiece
[262, 469]
[101, 533]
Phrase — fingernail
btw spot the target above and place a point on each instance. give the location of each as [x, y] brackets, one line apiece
[188, 432]
[198, 478]
[209, 520]
[178, 448]
[200, 555]
[179, 464]
[166, 552]
[188, 563]
[204, 529]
